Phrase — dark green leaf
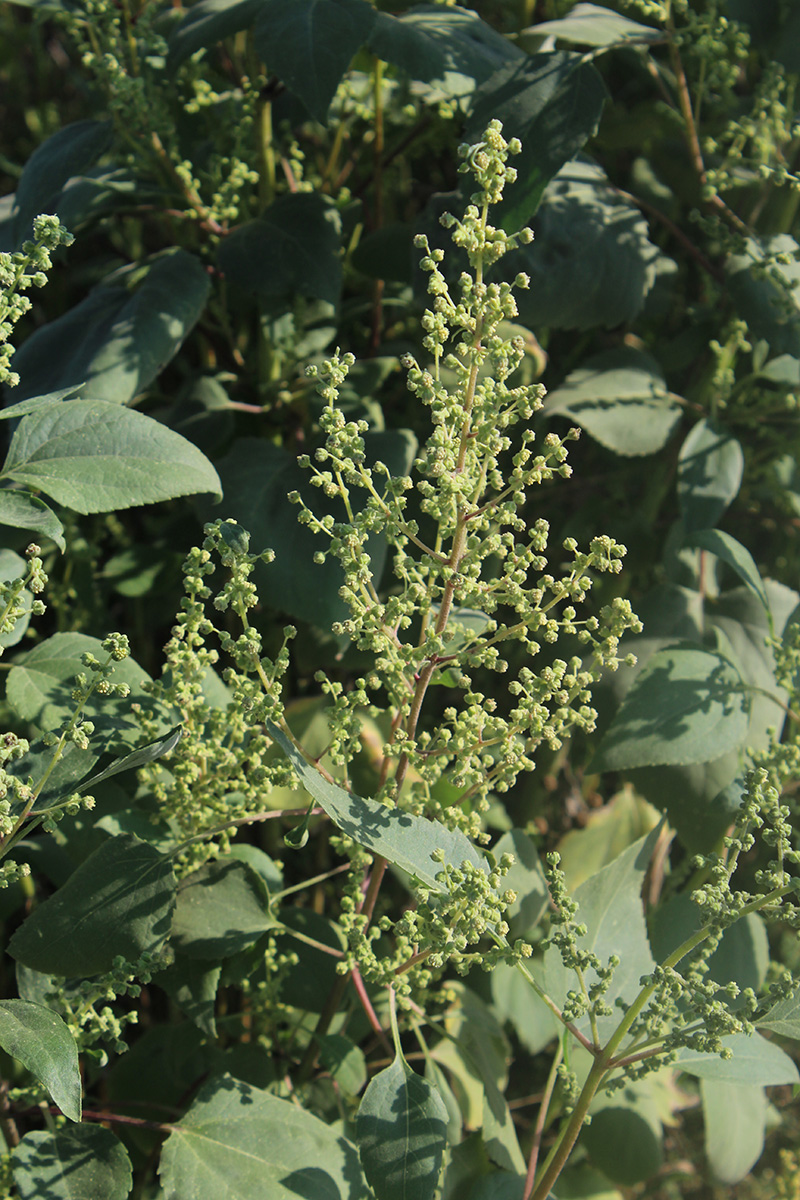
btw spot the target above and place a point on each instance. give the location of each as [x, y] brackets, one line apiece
[292, 249]
[400, 1128]
[75, 1163]
[193, 986]
[116, 342]
[591, 25]
[221, 908]
[686, 706]
[207, 23]
[624, 1137]
[309, 44]
[239, 1143]
[710, 467]
[344, 1060]
[39, 1039]
[309, 983]
[69, 152]
[147, 753]
[754, 1061]
[735, 1118]
[620, 398]
[552, 103]
[23, 510]
[93, 456]
[117, 903]
[768, 299]
[726, 548]
[13, 569]
[402, 839]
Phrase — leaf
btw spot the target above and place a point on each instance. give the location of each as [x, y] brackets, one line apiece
[592, 263]
[221, 908]
[686, 705]
[514, 1000]
[309, 44]
[291, 249]
[735, 1119]
[193, 986]
[117, 341]
[23, 510]
[400, 1129]
[39, 1039]
[309, 983]
[783, 1018]
[240, 1143]
[344, 1060]
[13, 412]
[526, 878]
[93, 456]
[12, 570]
[207, 23]
[552, 103]
[624, 1136]
[620, 398]
[608, 831]
[710, 467]
[72, 1164]
[149, 752]
[726, 548]
[118, 902]
[754, 1061]
[402, 839]
[768, 297]
[70, 151]
[592, 25]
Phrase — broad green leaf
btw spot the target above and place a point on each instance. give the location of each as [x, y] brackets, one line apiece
[309, 44]
[94, 456]
[39, 1039]
[768, 298]
[592, 263]
[783, 1018]
[501, 1186]
[308, 985]
[86, 199]
[147, 753]
[610, 906]
[710, 467]
[207, 23]
[291, 249]
[686, 706]
[608, 831]
[592, 25]
[119, 901]
[754, 1061]
[74, 1163]
[735, 1118]
[193, 986]
[514, 1000]
[582, 1182]
[68, 152]
[221, 908]
[402, 839]
[726, 548]
[624, 1137]
[117, 341]
[400, 1129]
[344, 1060]
[239, 1143]
[23, 510]
[13, 412]
[552, 103]
[620, 398]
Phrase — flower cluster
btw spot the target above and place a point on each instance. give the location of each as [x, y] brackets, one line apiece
[20, 271]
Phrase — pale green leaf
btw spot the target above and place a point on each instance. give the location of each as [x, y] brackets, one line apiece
[726, 548]
[39, 1039]
[784, 1018]
[753, 1061]
[592, 25]
[76, 1163]
[735, 1118]
[147, 753]
[710, 468]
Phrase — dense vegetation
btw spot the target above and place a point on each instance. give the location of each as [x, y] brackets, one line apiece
[399, 577]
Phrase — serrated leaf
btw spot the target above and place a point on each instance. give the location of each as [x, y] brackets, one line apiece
[72, 1164]
[552, 103]
[309, 44]
[735, 1119]
[710, 468]
[23, 510]
[687, 706]
[240, 1143]
[753, 1061]
[118, 902]
[70, 151]
[39, 1039]
[401, 1129]
[116, 341]
[291, 249]
[221, 908]
[592, 25]
[738, 558]
[620, 398]
[207, 23]
[402, 839]
[94, 456]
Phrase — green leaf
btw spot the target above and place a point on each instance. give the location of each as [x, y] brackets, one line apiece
[239, 1143]
[118, 902]
[514, 1000]
[592, 263]
[13, 412]
[735, 1118]
[624, 1137]
[93, 456]
[207, 23]
[710, 467]
[309, 44]
[620, 398]
[117, 341]
[754, 1061]
[221, 908]
[39, 1039]
[402, 839]
[608, 831]
[783, 1018]
[768, 299]
[12, 569]
[526, 878]
[308, 985]
[686, 705]
[70, 151]
[147, 753]
[72, 1164]
[726, 548]
[291, 249]
[400, 1129]
[344, 1060]
[591, 25]
[193, 986]
[23, 510]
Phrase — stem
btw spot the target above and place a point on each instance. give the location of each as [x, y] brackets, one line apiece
[541, 1121]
